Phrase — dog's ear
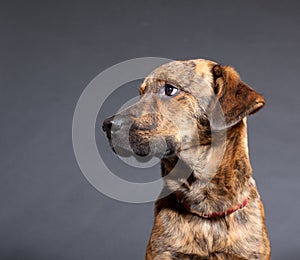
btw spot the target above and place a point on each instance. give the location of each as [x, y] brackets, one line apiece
[237, 99]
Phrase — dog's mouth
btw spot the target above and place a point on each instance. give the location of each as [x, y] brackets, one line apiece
[129, 137]
[120, 150]
[142, 153]
[157, 147]
[142, 146]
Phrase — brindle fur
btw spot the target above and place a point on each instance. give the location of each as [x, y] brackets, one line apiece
[180, 232]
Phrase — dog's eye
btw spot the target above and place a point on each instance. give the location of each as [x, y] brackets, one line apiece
[170, 90]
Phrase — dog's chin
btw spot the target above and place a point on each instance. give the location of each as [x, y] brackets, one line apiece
[144, 150]
[140, 155]
[141, 149]
[159, 155]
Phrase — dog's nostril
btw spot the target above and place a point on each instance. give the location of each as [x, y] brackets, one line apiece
[107, 124]
[112, 124]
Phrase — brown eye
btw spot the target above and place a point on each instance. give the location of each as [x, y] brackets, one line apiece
[170, 90]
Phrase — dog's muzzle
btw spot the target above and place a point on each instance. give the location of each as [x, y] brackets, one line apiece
[111, 125]
[127, 136]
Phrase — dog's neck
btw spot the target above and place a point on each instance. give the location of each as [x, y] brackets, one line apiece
[221, 191]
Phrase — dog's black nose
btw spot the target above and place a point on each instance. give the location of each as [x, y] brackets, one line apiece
[111, 124]
[107, 124]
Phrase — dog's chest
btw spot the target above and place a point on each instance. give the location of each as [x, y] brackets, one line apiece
[191, 235]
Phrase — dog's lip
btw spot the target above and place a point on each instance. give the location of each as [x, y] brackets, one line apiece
[118, 150]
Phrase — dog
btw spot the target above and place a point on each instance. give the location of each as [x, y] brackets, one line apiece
[192, 115]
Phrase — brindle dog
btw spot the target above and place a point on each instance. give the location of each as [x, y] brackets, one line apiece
[209, 207]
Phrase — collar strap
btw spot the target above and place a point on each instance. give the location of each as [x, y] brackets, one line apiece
[216, 214]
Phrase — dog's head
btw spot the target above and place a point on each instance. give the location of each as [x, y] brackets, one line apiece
[177, 109]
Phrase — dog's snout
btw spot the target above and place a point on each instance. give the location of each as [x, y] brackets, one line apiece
[112, 124]
[107, 123]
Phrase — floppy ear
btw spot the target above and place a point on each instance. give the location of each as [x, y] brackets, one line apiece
[237, 99]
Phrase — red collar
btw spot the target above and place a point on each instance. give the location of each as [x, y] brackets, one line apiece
[216, 214]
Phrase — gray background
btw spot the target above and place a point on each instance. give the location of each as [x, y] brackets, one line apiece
[49, 52]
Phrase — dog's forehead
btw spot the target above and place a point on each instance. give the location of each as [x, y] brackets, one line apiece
[187, 74]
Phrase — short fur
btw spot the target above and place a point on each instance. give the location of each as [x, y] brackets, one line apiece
[182, 229]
